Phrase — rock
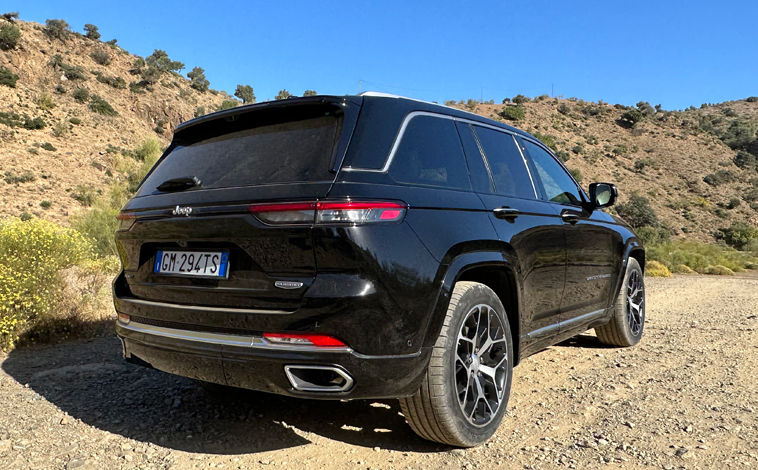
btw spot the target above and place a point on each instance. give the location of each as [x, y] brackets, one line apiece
[265, 462]
[75, 463]
[65, 421]
[688, 429]
[681, 451]
[5, 444]
[458, 452]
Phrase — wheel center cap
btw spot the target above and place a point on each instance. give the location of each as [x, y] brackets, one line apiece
[475, 363]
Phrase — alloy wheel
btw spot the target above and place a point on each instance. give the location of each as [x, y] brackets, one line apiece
[635, 308]
[481, 364]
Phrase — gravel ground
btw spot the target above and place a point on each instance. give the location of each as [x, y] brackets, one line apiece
[685, 397]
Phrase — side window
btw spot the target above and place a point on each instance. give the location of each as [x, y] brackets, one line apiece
[430, 154]
[559, 186]
[480, 177]
[506, 164]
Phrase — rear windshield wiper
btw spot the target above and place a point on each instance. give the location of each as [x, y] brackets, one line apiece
[179, 184]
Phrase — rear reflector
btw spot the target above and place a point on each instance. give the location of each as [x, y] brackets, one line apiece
[125, 220]
[330, 212]
[124, 318]
[306, 339]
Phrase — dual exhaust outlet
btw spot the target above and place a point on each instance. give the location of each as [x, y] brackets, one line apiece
[318, 378]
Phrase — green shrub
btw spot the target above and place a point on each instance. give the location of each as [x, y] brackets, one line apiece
[577, 149]
[45, 102]
[57, 29]
[720, 177]
[746, 161]
[620, 150]
[564, 109]
[7, 77]
[314, 93]
[283, 95]
[751, 195]
[46, 204]
[698, 256]
[563, 155]
[512, 113]
[148, 151]
[740, 133]
[32, 254]
[738, 235]
[733, 203]
[101, 106]
[101, 57]
[75, 120]
[34, 124]
[99, 224]
[576, 174]
[116, 82]
[656, 269]
[91, 31]
[60, 129]
[72, 72]
[81, 95]
[60, 89]
[245, 93]
[719, 270]
[548, 140]
[10, 16]
[200, 111]
[641, 164]
[135, 87]
[228, 104]
[9, 36]
[11, 119]
[521, 99]
[653, 235]
[752, 99]
[48, 146]
[634, 116]
[201, 84]
[161, 61]
[12, 178]
[638, 212]
[151, 75]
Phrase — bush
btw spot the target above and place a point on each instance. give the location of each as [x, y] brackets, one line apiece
[521, 99]
[733, 203]
[653, 235]
[283, 95]
[638, 212]
[81, 95]
[46, 204]
[101, 106]
[101, 57]
[11, 119]
[548, 140]
[9, 36]
[48, 146]
[698, 256]
[634, 116]
[10, 16]
[34, 124]
[99, 224]
[740, 133]
[60, 129]
[200, 111]
[245, 93]
[563, 155]
[200, 83]
[512, 113]
[148, 151]
[12, 178]
[746, 161]
[312, 93]
[161, 61]
[720, 177]
[116, 82]
[60, 89]
[45, 102]
[738, 235]
[564, 109]
[7, 77]
[57, 29]
[72, 72]
[682, 269]
[91, 32]
[719, 270]
[228, 104]
[752, 99]
[151, 75]
[32, 254]
[576, 174]
[656, 269]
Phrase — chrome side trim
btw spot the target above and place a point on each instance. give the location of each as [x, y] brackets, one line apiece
[338, 371]
[582, 319]
[248, 341]
[544, 332]
[151, 303]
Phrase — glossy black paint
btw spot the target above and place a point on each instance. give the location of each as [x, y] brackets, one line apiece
[382, 289]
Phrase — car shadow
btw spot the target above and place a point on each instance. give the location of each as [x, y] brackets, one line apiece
[584, 341]
[88, 380]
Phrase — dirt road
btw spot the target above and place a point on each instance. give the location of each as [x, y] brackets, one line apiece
[686, 397]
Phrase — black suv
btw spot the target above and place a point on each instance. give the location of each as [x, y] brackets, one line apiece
[371, 246]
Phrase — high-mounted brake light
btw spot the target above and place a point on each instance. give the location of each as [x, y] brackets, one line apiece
[330, 212]
[306, 339]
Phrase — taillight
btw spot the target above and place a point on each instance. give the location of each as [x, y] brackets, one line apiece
[305, 339]
[330, 212]
[124, 318]
[125, 220]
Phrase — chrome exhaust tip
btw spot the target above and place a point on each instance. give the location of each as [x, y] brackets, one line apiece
[318, 378]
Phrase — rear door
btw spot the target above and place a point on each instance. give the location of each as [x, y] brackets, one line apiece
[529, 225]
[243, 162]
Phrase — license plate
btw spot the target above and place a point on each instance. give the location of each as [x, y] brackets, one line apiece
[192, 263]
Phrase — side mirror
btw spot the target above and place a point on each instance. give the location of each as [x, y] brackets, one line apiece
[603, 195]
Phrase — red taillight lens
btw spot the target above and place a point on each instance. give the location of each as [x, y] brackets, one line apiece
[285, 213]
[125, 220]
[306, 339]
[330, 212]
[124, 318]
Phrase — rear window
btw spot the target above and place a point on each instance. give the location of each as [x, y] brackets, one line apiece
[288, 145]
[430, 154]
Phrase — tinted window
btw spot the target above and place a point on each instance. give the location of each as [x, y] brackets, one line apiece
[506, 164]
[480, 177]
[559, 186]
[430, 153]
[283, 148]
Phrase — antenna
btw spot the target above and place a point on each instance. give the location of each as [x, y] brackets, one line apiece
[359, 86]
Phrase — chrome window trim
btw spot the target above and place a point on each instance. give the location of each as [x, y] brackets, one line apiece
[249, 341]
[399, 137]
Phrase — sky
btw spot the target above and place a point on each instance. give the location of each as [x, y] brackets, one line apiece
[669, 52]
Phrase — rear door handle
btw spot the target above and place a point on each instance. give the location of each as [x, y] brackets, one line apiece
[506, 213]
[570, 218]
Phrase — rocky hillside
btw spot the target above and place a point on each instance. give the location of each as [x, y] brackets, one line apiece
[60, 142]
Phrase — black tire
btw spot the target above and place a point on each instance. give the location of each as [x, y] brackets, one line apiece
[435, 412]
[628, 321]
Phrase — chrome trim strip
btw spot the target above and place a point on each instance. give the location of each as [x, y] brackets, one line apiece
[338, 371]
[543, 332]
[248, 341]
[582, 319]
[151, 303]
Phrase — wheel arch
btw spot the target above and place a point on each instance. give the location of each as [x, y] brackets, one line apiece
[496, 270]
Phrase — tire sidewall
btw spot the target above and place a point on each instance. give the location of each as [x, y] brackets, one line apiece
[623, 305]
[470, 298]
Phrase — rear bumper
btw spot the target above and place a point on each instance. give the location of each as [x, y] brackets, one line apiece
[232, 360]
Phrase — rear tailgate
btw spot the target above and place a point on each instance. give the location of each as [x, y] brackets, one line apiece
[268, 153]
